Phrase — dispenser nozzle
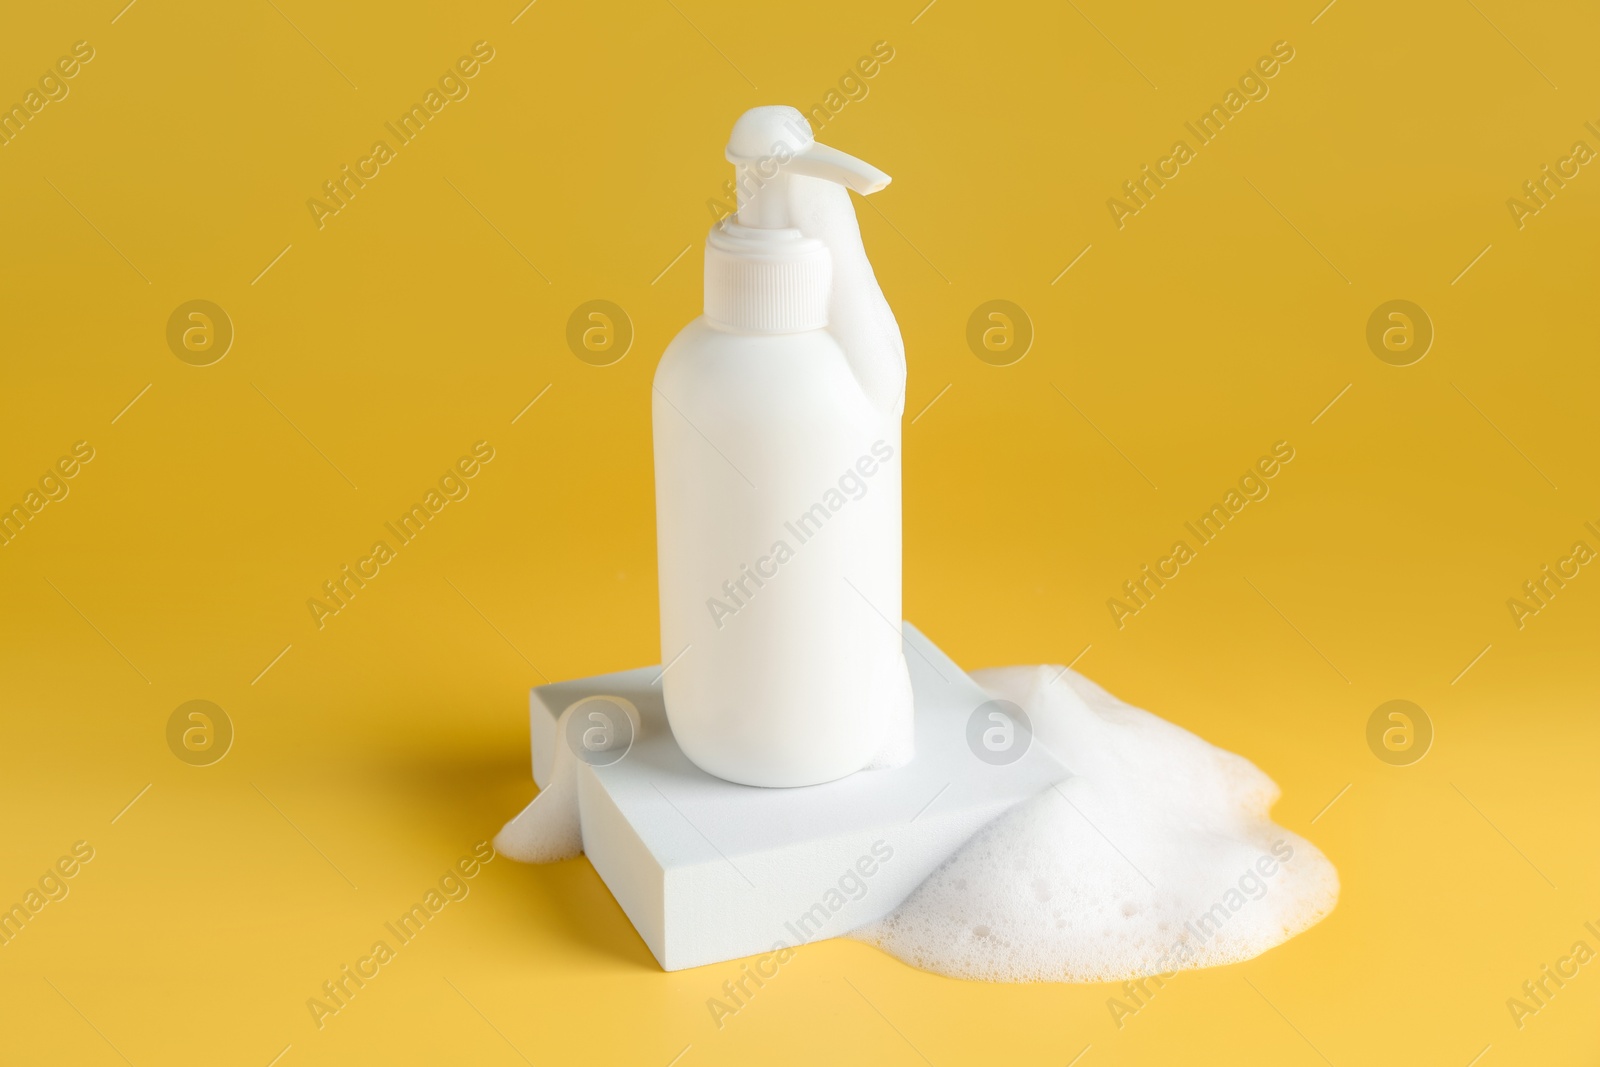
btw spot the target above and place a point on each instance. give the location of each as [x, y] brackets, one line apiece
[820, 161]
[768, 144]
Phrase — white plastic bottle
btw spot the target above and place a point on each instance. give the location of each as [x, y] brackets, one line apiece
[778, 477]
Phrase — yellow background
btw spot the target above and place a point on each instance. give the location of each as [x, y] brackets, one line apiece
[427, 314]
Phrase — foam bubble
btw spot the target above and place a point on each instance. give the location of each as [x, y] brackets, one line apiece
[550, 828]
[1156, 854]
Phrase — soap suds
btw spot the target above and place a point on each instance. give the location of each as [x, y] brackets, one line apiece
[1156, 854]
[549, 829]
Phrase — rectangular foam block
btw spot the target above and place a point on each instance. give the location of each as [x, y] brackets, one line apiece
[710, 871]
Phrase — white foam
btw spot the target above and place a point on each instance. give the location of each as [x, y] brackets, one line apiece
[550, 828]
[1158, 854]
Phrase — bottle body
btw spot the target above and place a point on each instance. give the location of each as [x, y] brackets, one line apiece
[778, 535]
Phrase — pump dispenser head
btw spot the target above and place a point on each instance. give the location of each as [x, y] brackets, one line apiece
[763, 274]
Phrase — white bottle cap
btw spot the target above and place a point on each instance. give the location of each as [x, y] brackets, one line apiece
[763, 274]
